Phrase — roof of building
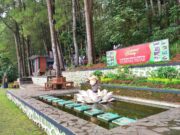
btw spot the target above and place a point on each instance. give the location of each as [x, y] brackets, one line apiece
[37, 56]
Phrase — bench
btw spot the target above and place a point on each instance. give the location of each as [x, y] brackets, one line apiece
[67, 85]
[54, 83]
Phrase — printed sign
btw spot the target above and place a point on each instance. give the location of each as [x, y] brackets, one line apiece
[148, 52]
[111, 58]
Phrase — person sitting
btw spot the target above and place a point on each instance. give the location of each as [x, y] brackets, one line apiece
[5, 81]
[94, 82]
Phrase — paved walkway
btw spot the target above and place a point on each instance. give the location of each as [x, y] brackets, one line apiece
[165, 123]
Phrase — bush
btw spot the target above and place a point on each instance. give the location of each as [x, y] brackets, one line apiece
[103, 59]
[124, 73]
[106, 80]
[176, 81]
[164, 81]
[139, 80]
[174, 48]
[165, 72]
[6, 66]
[98, 73]
[111, 75]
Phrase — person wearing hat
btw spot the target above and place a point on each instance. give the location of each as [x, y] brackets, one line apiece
[93, 80]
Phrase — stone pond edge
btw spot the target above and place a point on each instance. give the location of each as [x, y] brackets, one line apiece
[50, 126]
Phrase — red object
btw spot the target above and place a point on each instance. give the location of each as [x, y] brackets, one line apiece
[43, 64]
[134, 55]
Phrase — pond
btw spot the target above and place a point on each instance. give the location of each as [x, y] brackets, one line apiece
[130, 111]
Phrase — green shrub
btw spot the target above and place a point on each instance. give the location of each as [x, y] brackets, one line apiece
[98, 73]
[176, 81]
[121, 76]
[139, 80]
[165, 72]
[103, 59]
[6, 66]
[106, 80]
[111, 75]
[164, 81]
[124, 69]
[174, 48]
[124, 73]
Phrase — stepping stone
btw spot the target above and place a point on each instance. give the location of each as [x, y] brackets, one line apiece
[62, 103]
[108, 117]
[93, 112]
[43, 96]
[70, 106]
[51, 99]
[82, 108]
[123, 121]
[57, 100]
[54, 100]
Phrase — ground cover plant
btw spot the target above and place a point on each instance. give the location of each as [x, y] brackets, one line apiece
[164, 77]
[13, 121]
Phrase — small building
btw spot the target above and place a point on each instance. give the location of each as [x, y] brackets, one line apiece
[40, 64]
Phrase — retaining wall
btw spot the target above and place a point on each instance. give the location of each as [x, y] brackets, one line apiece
[79, 77]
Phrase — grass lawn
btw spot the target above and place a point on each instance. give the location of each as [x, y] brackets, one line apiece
[13, 121]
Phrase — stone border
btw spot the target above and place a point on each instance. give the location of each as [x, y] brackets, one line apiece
[157, 124]
[154, 103]
[50, 126]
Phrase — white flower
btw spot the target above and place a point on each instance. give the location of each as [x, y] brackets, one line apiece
[90, 97]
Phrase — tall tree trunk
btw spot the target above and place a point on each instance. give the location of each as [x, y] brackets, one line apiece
[178, 19]
[149, 18]
[18, 50]
[61, 61]
[16, 34]
[23, 49]
[60, 54]
[89, 29]
[76, 61]
[45, 47]
[159, 7]
[152, 7]
[146, 4]
[18, 55]
[53, 38]
[28, 44]
[44, 38]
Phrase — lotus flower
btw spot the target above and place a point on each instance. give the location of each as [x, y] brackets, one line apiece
[90, 97]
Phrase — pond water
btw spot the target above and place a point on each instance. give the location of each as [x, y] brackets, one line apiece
[124, 109]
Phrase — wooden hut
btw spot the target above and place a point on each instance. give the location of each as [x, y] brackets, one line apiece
[40, 64]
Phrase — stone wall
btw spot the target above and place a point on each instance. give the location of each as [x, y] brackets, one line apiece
[38, 118]
[38, 80]
[81, 76]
